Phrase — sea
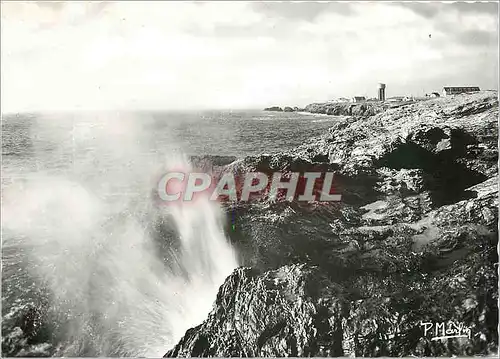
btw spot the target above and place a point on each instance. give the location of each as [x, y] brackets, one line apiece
[91, 265]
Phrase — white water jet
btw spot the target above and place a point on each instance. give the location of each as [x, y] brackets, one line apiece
[87, 236]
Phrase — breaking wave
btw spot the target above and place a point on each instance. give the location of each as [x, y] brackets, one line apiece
[108, 271]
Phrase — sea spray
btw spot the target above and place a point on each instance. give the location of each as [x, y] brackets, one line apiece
[86, 235]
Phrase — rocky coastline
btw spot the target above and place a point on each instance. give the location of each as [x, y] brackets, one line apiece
[364, 109]
[414, 240]
[358, 109]
[284, 109]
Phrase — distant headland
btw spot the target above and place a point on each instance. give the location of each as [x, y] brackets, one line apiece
[284, 109]
[364, 106]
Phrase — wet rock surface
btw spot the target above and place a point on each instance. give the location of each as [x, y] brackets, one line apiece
[414, 240]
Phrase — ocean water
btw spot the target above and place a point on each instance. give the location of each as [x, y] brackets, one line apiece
[92, 266]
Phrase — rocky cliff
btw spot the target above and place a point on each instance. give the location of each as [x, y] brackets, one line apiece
[347, 109]
[414, 240]
[364, 109]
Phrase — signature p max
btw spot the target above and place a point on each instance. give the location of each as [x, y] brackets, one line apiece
[446, 330]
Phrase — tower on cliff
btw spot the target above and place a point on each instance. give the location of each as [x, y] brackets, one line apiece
[381, 92]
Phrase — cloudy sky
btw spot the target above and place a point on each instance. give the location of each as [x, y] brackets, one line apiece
[182, 55]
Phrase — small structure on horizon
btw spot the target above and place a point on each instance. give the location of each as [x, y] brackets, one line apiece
[358, 99]
[381, 92]
[447, 91]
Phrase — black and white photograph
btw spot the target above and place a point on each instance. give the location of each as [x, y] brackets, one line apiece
[249, 179]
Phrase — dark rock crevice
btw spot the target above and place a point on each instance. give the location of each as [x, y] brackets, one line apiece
[446, 179]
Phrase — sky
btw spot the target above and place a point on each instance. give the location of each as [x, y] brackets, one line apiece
[211, 55]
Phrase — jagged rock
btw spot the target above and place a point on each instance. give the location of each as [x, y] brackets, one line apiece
[410, 137]
[279, 313]
[414, 239]
[296, 311]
